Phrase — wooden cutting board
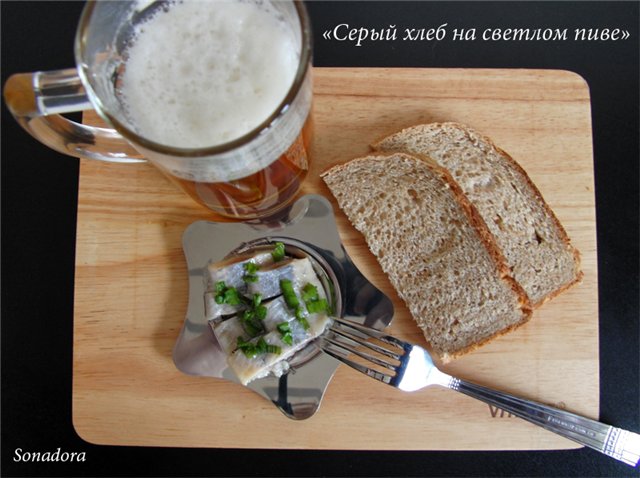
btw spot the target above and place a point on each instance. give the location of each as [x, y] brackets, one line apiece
[131, 284]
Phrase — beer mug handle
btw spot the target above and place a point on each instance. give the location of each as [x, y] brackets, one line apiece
[37, 101]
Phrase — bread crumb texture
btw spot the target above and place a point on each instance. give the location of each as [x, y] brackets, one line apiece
[412, 219]
[525, 228]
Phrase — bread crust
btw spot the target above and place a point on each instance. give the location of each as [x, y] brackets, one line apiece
[478, 224]
[496, 254]
[563, 236]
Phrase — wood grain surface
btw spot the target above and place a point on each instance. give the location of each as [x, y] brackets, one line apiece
[131, 284]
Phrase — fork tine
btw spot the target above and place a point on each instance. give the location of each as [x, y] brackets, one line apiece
[346, 337]
[382, 377]
[364, 343]
[368, 331]
[359, 353]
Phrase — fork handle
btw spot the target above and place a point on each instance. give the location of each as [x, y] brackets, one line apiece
[617, 443]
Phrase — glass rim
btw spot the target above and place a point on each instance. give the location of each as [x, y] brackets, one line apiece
[303, 66]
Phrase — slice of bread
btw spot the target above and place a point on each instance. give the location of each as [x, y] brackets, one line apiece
[435, 249]
[526, 230]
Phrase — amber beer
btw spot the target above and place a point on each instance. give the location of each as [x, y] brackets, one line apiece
[261, 193]
[198, 76]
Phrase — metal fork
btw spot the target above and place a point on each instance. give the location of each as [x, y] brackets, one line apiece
[410, 368]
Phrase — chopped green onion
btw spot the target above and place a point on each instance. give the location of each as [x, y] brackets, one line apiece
[278, 252]
[220, 287]
[309, 293]
[285, 330]
[251, 269]
[293, 303]
[286, 286]
[251, 323]
[261, 312]
[248, 315]
[303, 321]
[262, 347]
[300, 313]
[319, 305]
[251, 329]
[301, 317]
[289, 294]
[226, 295]
[231, 296]
[257, 299]
[312, 300]
[247, 347]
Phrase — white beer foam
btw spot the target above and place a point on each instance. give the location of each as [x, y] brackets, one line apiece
[203, 73]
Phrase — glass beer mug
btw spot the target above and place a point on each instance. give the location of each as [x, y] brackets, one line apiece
[215, 93]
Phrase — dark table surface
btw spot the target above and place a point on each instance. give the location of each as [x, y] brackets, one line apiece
[39, 201]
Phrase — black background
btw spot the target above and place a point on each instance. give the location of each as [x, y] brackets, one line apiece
[39, 199]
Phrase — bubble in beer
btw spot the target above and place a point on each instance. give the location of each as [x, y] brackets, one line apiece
[202, 73]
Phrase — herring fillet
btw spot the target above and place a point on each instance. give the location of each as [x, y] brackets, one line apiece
[298, 271]
[248, 369]
[227, 331]
[266, 282]
[230, 271]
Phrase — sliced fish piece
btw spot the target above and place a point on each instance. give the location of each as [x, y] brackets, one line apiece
[231, 271]
[265, 281]
[251, 368]
[299, 271]
[277, 312]
[213, 310]
[227, 331]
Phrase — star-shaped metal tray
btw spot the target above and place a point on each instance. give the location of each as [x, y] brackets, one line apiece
[308, 226]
